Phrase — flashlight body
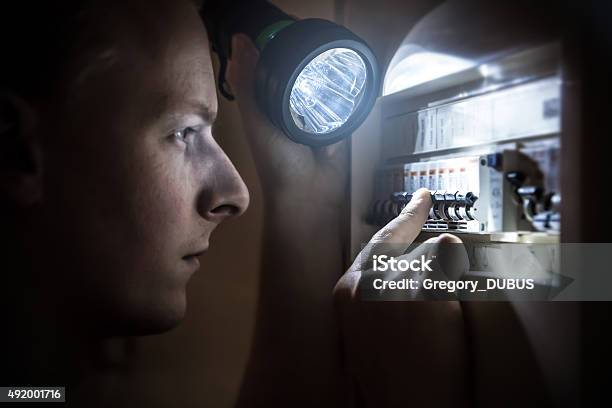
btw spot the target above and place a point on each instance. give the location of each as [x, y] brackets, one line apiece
[225, 18]
[258, 19]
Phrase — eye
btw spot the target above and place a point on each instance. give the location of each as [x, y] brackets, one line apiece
[186, 134]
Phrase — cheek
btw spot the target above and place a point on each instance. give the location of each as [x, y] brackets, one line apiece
[165, 195]
[124, 229]
[132, 204]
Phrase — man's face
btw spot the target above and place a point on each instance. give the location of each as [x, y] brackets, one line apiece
[134, 182]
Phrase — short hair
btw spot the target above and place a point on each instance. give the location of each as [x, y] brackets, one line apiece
[38, 40]
[43, 43]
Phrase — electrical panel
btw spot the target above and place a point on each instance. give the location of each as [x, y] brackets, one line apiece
[485, 142]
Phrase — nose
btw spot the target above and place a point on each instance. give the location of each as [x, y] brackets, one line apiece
[226, 196]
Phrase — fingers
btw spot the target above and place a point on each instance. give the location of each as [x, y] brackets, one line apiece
[368, 276]
[425, 249]
[241, 77]
[449, 261]
[241, 69]
[451, 256]
[394, 238]
[404, 228]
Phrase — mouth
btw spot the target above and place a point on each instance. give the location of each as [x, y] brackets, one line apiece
[193, 258]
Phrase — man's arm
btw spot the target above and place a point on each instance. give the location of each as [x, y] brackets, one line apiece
[295, 359]
[387, 347]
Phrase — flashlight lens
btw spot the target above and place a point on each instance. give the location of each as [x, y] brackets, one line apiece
[328, 90]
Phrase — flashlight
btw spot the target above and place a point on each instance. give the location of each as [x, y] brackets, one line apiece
[315, 80]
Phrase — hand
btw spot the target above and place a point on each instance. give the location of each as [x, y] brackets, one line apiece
[287, 169]
[404, 353]
[304, 190]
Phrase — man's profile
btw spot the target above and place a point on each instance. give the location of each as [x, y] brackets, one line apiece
[111, 184]
[114, 182]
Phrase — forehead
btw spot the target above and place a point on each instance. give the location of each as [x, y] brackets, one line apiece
[158, 51]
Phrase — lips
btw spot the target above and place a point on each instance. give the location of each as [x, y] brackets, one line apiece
[193, 258]
[196, 254]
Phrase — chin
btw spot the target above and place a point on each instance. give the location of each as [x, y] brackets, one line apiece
[161, 323]
[147, 318]
[165, 315]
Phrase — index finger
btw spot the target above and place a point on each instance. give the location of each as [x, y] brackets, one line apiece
[394, 238]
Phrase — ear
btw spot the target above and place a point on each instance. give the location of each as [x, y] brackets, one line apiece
[20, 151]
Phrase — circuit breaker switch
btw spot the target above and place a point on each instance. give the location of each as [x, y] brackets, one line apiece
[437, 209]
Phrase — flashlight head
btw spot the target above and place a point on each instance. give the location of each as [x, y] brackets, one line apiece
[327, 91]
[317, 81]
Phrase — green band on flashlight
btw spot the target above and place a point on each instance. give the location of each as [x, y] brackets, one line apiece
[270, 32]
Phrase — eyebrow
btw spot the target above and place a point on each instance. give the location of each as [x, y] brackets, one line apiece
[167, 110]
[205, 111]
